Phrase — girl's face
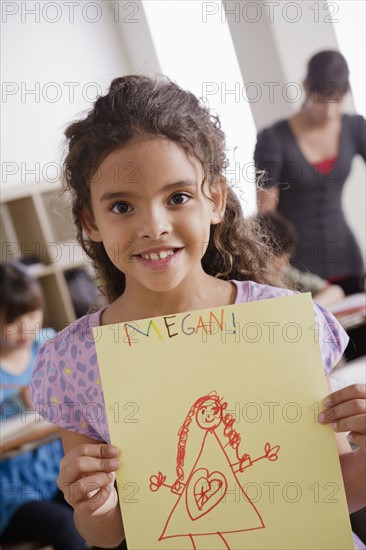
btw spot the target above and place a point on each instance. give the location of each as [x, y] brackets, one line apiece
[22, 331]
[149, 211]
[208, 415]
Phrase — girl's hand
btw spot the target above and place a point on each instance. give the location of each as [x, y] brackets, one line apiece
[346, 410]
[87, 475]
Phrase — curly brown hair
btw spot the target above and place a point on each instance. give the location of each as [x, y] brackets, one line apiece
[139, 105]
[228, 420]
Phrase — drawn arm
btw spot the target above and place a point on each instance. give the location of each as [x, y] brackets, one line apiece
[271, 453]
[159, 481]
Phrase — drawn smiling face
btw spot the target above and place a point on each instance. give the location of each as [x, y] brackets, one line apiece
[208, 415]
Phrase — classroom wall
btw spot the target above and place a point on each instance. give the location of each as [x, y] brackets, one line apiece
[54, 63]
[58, 56]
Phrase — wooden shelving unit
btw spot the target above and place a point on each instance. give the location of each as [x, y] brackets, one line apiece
[36, 225]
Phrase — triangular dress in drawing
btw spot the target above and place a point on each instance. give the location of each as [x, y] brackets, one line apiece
[199, 509]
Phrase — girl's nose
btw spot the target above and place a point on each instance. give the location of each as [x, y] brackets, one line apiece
[154, 223]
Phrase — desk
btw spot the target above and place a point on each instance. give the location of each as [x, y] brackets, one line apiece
[346, 374]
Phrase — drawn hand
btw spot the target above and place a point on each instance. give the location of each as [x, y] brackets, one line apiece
[245, 459]
[346, 410]
[271, 452]
[157, 481]
[87, 475]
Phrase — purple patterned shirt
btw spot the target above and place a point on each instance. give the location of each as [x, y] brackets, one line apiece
[66, 387]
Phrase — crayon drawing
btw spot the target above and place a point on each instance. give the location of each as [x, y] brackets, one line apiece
[244, 466]
[200, 496]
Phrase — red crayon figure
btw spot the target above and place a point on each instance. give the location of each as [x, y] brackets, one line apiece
[198, 510]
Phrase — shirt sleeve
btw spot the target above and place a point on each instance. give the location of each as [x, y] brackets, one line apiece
[333, 339]
[65, 389]
[268, 158]
[360, 136]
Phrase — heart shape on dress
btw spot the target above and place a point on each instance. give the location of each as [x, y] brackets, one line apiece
[204, 491]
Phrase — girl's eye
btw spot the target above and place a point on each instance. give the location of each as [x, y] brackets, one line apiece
[120, 208]
[179, 198]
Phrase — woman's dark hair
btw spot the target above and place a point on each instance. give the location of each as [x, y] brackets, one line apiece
[328, 74]
[142, 106]
[20, 293]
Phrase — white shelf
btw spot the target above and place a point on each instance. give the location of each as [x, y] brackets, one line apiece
[37, 225]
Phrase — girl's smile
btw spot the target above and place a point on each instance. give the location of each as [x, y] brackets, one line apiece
[159, 258]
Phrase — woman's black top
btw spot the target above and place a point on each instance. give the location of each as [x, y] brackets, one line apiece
[312, 200]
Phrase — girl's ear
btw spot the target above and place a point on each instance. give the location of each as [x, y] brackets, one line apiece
[89, 225]
[218, 196]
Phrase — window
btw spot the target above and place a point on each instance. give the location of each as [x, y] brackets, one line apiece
[350, 32]
[193, 53]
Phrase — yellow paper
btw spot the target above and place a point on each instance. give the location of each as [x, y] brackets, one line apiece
[215, 413]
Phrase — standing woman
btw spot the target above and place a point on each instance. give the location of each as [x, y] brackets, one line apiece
[307, 159]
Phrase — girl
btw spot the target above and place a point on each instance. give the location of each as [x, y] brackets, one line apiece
[166, 235]
[33, 510]
[202, 493]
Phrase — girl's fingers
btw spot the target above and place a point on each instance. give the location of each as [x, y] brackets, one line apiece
[351, 424]
[87, 488]
[95, 450]
[72, 471]
[96, 502]
[343, 410]
[356, 391]
[86, 459]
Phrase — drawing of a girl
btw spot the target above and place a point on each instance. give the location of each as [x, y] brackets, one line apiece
[200, 508]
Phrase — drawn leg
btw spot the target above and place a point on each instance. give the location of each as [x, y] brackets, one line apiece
[203, 542]
[224, 541]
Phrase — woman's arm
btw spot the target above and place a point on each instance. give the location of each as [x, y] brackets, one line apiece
[360, 135]
[87, 475]
[268, 161]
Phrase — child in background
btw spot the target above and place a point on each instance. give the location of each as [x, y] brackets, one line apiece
[32, 507]
[153, 211]
[281, 236]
